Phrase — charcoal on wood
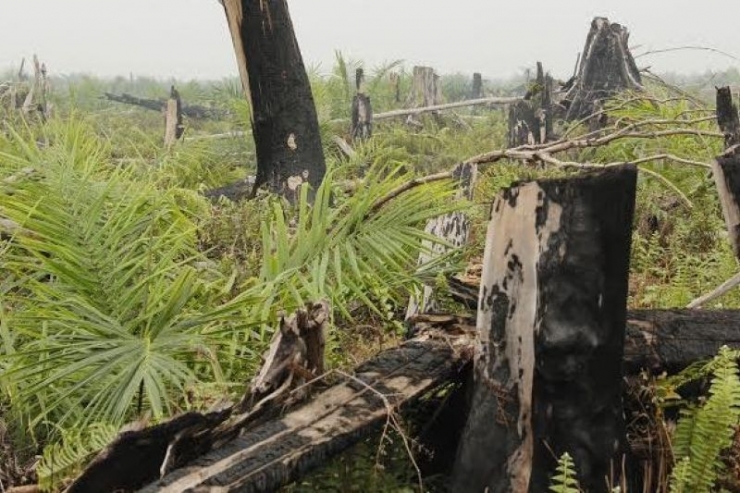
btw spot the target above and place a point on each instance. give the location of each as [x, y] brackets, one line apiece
[452, 230]
[282, 450]
[548, 376]
[606, 68]
[726, 171]
[531, 119]
[727, 117]
[362, 110]
[173, 127]
[284, 121]
[191, 111]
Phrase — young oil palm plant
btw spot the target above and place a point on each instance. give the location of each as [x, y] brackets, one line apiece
[109, 313]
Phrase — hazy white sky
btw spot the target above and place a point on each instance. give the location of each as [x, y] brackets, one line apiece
[189, 38]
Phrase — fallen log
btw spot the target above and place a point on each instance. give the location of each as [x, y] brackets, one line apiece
[656, 340]
[191, 111]
[272, 451]
[440, 107]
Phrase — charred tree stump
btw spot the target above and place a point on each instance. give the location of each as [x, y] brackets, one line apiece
[477, 89]
[425, 88]
[453, 228]
[606, 68]
[284, 122]
[173, 127]
[727, 117]
[548, 376]
[362, 111]
[726, 168]
[531, 120]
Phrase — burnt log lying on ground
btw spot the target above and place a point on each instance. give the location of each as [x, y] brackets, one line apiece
[258, 450]
[606, 68]
[191, 111]
[656, 340]
[551, 323]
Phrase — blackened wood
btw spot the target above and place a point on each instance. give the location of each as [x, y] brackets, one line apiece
[727, 117]
[671, 340]
[452, 229]
[191, 111]
[606, 68]
[296, 353]
[284, 121]
[280, 451]
[173, 127]
[726, 171]
[362, 110]
[477, 89]
[531, 120]
[551, 324]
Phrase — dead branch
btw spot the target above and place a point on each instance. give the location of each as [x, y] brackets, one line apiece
[440, 107]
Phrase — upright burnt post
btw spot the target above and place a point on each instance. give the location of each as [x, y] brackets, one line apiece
[606, 68]
[531, 120]
[551, 326]
[477, 90]
[362, 111]
[284, 121]
[173, 127]
[726, 168]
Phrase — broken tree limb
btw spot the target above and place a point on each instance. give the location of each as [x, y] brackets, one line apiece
[606, 68]
[441, 107]
[453, 229]
[191, 111]
[721, 290]
[551, 327]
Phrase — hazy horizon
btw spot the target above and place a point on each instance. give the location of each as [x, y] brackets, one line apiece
[188, 39]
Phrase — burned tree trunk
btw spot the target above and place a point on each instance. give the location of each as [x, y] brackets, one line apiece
[362, 111]
[284, 121]
[173, 127]
[477, 89]
[425, 88]
[548, 376]
[727, 117]
[396, 84]
[191, 111]
[531, 120]
[726, 168]
[606, 68]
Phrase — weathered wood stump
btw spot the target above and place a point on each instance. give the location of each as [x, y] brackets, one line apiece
[531, 120]
[395, 81]
[362, 110]
[425, 88]
[284, 121]
[476, 91]
[551, 327]
[173, 127]
[606, 68]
